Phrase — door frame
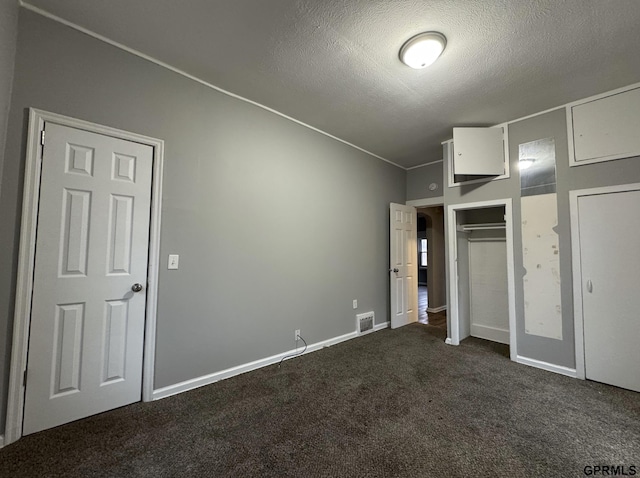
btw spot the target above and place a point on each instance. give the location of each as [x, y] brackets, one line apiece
[453, 334]
[432, 202]
[26, 259]
[576, 264]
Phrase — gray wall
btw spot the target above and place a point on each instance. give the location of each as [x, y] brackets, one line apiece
[418, 181]
[8, 34]
[231, 169]
[553, 124]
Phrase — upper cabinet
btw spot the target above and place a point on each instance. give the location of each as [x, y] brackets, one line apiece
[477, 155]
[478, 151]
[604, 128]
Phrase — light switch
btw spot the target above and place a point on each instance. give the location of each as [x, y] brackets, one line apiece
[355, 303]
[173, 261]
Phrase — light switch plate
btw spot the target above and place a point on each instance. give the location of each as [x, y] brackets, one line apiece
[355, 303]
[173, 261]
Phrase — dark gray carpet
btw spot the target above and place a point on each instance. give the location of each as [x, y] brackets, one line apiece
[393, 403]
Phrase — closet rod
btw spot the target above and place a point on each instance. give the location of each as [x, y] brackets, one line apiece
[481, 227]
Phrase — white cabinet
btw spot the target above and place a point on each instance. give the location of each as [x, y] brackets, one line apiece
[477, 155]
[604, 128]
[478, 151]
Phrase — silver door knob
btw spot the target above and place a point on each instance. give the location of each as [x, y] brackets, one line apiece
[136, 287]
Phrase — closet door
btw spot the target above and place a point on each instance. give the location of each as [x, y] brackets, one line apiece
[488, 289]
[609, 226]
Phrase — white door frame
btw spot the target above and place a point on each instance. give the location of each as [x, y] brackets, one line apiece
[26, 259]
[576, 262]
[429, 202]
[453, 335]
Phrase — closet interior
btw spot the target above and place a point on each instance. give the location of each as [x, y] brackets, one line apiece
[483, 305]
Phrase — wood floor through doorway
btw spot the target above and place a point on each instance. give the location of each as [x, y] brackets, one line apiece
[435, 319]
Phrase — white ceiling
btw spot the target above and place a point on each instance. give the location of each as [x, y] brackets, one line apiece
[333, 64]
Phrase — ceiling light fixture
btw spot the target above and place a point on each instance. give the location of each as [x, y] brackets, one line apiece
[423, 49]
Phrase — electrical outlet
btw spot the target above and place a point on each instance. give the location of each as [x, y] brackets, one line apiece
[297, 334]
[355, 303]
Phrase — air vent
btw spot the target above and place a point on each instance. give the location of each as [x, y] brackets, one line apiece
[365, 322]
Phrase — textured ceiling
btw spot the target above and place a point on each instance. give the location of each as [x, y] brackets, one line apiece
[333, 64]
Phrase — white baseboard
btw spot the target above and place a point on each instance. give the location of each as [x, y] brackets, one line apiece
[569, 372]
[233, 371]
[1, 441]
[381, 326]
[435, 310]
[448, 341]
[490, 333]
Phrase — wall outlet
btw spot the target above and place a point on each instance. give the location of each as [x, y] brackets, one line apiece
[355, 303]
[297, 334]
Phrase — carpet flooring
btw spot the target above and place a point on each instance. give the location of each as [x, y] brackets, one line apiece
[395, 403]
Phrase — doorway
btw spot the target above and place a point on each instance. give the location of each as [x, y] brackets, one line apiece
[84, 324]
[432, 306]
[481, 273]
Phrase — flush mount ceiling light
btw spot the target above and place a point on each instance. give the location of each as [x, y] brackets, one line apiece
[423, 49]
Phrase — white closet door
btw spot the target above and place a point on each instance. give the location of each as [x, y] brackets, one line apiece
[609, 240]
[489, 302]
[88, 315]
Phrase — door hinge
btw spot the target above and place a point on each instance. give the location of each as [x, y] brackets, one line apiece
[42, 143]
[24, 378]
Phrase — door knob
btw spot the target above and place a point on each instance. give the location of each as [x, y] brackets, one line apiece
[136, 287]
[394, 270]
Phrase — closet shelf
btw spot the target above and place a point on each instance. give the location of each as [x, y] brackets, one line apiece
[481, 227]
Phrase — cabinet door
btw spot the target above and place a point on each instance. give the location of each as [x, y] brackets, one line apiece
[478, 151]
[606, 128]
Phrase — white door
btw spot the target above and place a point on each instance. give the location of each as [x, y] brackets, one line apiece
[488, 297]
[87, 323]
[403, 266]
[609, 227]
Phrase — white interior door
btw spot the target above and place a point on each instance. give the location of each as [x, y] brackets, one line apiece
[489, 303]
[87, 323]
[403, 267]
[609, 226]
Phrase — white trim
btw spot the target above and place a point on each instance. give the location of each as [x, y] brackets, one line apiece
[487, 332]
[425, 164]
[426, 202]
[454, 332]
[585, 100]
[1, 441]
[435, 310]
[144, 56]
[248, 367]
[570, 132]
[576, 263]
[569, 372]
[507, 161]
[383, 325]
[448, 341]
[599, 96]
[26, 257]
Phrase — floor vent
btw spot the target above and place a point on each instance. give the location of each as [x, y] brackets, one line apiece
[365, 322]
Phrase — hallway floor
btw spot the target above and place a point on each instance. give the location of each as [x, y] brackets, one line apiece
[435, 319]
